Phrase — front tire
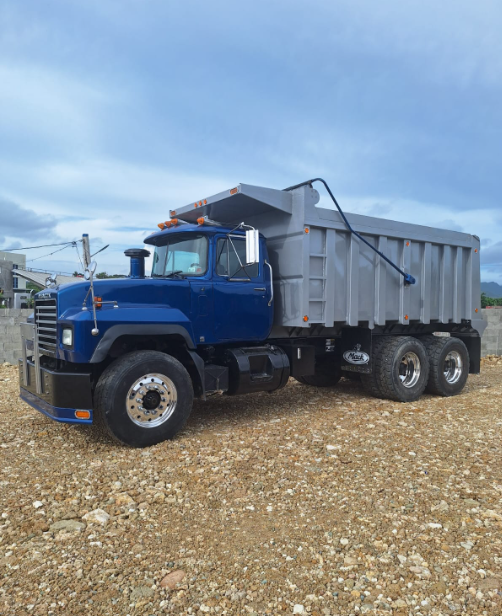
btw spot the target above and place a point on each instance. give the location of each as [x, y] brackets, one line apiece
[449, 365]
[143, 398]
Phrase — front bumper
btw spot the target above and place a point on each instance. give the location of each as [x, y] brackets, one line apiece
[62, 393]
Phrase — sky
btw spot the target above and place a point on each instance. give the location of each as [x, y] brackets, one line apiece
[113, 112]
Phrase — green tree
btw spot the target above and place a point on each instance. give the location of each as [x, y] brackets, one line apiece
[31, 286]
[490, 301]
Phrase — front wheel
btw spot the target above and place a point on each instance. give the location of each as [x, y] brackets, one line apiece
[143, 398]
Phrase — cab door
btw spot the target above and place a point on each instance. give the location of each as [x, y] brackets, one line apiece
[241, 293]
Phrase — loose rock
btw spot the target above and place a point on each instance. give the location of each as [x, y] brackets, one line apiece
[98, 516]
[67, 525]
[172, 579]
[247, 512]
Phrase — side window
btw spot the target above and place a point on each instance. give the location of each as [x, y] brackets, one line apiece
[229, 257]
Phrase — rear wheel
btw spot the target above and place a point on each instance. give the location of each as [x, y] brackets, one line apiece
[400, 368]
[143, 398]
[327, 374]
[370, 381]
[449, 365]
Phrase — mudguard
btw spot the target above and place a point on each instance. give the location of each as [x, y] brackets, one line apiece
[138, 329]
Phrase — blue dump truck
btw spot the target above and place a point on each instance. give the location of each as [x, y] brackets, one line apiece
[248, 288]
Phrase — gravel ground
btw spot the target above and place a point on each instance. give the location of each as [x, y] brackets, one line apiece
[303, 501]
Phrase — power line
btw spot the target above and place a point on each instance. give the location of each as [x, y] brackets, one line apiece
[42, 246]
[78, 255]
[52, 253]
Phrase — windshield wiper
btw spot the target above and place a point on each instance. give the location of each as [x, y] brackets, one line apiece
[175, 273]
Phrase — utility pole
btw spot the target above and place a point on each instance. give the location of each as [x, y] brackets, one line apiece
[87, 249]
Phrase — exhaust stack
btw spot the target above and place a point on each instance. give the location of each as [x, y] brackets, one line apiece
[137, 256]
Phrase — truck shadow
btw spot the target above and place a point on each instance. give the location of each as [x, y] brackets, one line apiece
[220, 412]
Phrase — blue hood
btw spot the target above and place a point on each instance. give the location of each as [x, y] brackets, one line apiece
[138, 301]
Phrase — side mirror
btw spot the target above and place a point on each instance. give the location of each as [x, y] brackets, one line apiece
[90, 269]
[252, 246]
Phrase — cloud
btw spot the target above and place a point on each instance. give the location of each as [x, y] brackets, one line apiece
[41, 105]
[114, 202]
[19, 222]
[111, 115]
[492, 256]
[111, 189]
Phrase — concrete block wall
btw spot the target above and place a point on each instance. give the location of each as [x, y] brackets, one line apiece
[10, 333]
[491, 342]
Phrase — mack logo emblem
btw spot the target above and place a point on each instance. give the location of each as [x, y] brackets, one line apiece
[44, 295]
[356, 356]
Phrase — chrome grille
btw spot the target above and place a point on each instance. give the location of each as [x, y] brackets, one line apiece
[46, 323]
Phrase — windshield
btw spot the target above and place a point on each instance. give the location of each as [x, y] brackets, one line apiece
[185, 255]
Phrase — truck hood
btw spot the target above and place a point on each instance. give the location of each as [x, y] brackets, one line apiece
[127, 292]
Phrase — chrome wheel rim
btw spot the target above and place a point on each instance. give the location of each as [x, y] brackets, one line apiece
[409, 369]
[151, 400]
[452, 367]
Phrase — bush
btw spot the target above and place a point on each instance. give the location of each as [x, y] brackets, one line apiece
[490, 301]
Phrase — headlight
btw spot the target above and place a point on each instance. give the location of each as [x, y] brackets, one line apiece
[68, 337]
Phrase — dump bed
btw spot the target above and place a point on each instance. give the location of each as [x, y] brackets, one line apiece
[326, 276]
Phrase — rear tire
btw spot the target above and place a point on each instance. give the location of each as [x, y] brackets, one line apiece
[449, 365]
[401, 368]
[327, 374]
[370, 381]
[143, 398]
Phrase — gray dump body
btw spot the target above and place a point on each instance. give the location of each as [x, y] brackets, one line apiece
[325, 276]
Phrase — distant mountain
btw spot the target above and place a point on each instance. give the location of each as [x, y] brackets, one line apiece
[492, 289]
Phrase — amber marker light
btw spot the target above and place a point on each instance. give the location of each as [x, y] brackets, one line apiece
[174, 221]
[405, 317]
[205, 201]
[475, 310]
[233, 191]
[307, 230]
[97, 302]
[82, 414]
[161, 226]
[305, 318]
[200, 221]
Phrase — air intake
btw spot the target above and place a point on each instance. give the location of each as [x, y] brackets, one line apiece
[137, 256]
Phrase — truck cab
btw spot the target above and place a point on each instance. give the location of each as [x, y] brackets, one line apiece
[229, 299]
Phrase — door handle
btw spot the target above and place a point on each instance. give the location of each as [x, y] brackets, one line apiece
[262, 289]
